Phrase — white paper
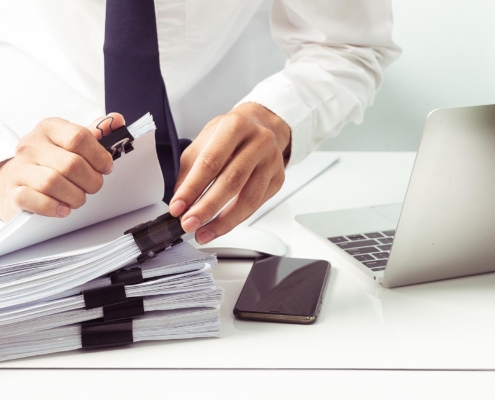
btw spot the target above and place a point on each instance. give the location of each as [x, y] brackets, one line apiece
[135, 182]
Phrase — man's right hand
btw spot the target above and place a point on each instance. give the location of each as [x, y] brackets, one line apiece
[54, 167]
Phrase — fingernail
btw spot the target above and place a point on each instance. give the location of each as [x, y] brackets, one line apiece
[191, 224]
[108, 115]
[205, 237]
[178, 208]
[63, 211]
[108, 169]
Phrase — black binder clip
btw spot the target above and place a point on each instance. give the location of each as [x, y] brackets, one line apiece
[114, 293]
[102, 296]
[118, 141]
[127, 276]
[154, 236]
[95, 334]
[126, 309]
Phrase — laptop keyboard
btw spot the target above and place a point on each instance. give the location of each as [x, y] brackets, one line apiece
[371, 249]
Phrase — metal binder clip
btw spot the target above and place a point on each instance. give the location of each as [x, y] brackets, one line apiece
[118, 141]
[154, 236]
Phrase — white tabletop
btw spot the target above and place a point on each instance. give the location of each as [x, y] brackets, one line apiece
[245, 384]
[446, 325]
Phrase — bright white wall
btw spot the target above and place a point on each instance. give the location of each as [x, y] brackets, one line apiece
[448, 60]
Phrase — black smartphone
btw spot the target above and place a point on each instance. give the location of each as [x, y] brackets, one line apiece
[282, 289]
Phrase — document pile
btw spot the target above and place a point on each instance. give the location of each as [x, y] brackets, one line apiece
[45, 304]
[95, 295]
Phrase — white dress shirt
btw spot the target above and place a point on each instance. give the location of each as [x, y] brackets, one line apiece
[51, 60]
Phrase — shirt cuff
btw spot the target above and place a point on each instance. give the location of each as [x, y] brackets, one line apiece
[8, 141]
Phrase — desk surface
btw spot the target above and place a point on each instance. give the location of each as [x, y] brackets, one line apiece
[442, 325]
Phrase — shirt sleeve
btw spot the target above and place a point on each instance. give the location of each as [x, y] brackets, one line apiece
[8, 142]
[337, 51]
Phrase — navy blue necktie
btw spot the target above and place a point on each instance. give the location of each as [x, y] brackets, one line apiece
[133, 80]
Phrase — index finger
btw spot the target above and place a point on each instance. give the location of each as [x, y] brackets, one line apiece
[208, 164]
[79, 140]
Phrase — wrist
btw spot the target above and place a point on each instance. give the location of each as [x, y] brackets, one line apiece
[263, 116]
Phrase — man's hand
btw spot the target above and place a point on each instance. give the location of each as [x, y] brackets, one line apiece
[245, 152]
[54, 167]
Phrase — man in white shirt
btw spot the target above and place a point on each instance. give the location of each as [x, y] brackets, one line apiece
[52, 65]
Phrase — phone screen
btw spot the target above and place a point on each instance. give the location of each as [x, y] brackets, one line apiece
[283, 289]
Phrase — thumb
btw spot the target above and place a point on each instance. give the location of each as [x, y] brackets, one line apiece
[103, 126]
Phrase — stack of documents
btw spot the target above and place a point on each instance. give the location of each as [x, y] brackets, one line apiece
[156, 325]
[52, 304]
[72, 283]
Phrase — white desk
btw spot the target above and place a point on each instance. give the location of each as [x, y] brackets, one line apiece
[445, 325]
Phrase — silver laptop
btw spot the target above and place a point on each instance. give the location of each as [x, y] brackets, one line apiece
[446, 226]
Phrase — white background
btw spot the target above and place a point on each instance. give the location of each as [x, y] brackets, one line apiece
[448, 60]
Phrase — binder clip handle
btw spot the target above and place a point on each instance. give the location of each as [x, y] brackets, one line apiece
[118, 141]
